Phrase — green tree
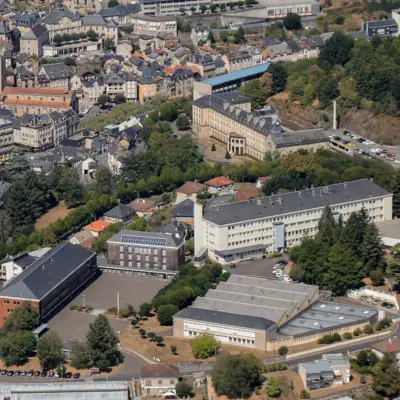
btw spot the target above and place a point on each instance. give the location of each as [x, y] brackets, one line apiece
[92, 35]
[73, 192]
[158, 340]
[239, 35]
[377, 277]
[279, 76]
[372, 250]
[203, 8]
[103, 100]
[283, 350]
[327, 90]
[16, 346]
[272, 388]
[58, 39]
[79, 355]
[112, 3]
[235, 376]
[343, 271]
[340, 20]
[211, 37]
[396, 196]
[337, 50]
[17, 166]
[165, 313]
[61, 370]
[327, 227]
[292, 21]
[145, 309]
[104, 183]
[183, 122]
[224, 36]
[255, 92]
[66, 37]
[83, 35]
[49, 350]
[387, 379]
[304, 394]
[151, 336]
[204, 346]
[103, 343]
[5, 226]
[227, 155]
[222, 7]
[183, 389]
[213, 7]
[75, 37]
[119, 98]
[24, 318]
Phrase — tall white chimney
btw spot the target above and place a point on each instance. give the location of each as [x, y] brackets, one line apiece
[334, 115]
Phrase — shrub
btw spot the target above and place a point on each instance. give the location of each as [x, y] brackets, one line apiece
[283, 350]
[124, 313]
[173, 349]
[336, 337]
[347, 335]
[142, 333]
[204, 346]
[304, 394]
[158, 340]
[145, 309]
[368, 329]
[151, 335]
[383, 324]
[363, 379]
[357, 332]
[213, 148]
[113, 310]
[165, 313]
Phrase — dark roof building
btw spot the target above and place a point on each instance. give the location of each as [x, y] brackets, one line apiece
[49, 280]
[184, 210]
[384, 27]
[120, 213]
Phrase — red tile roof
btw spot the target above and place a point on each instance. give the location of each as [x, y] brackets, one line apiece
[97, 226]
[37, 91]
[387, 346]
[219, 181]
[247, 193]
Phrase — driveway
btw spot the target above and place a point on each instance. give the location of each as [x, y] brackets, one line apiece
[261, 268]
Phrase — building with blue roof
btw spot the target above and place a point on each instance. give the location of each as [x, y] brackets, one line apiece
[228, 82]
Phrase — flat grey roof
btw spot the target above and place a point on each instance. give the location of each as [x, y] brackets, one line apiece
[272, 284]
[381, 23]
[317, 367]
[224, 318]
[273, 314]
[286, 297]
[390, 229]
[324, 315]
[286, 203]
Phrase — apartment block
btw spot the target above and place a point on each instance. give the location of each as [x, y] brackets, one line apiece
[6, 139]
[170, 7]
[155, 24]
[230, 232]
[228, 118]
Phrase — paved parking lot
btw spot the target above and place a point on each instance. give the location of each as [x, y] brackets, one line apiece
[102, 295]
[261, 268]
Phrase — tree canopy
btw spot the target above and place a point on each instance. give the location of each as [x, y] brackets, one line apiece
[254, 91]
[49, 350]
[204, 346]
[292, 21]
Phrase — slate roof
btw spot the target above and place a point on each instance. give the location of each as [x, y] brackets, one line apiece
[225, 318]
[36, 121]
[56, 15]
[55, 71]
[286, 203]
[121, 211]
[185, 209]
[35, 33]
[4, 28]
[22, 58]
[176, 226]
[114, 78]
[93, 20]
[382, 23]
[121, 9]
[46, 273]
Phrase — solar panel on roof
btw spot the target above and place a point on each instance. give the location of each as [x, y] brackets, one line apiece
[145, 240]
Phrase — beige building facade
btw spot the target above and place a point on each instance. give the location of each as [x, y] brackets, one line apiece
[228, 118]
[241, 230]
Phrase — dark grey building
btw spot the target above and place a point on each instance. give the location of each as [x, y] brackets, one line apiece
[384, 27]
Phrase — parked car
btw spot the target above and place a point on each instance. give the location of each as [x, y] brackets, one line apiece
[51, 374]
[77, 375]
[43, 374]
[68, 375]
[17, 373]
[36, 373]
[391, 154]
[24, 373]
[10, 373]
[30, 373]
[3, 372]
[360, 140]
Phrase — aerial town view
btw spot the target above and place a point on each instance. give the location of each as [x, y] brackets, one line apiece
[199, 199]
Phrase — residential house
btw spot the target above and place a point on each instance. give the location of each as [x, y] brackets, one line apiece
[143, 207]
[244, 192]
[206, 64]
[184, 211]
[25, 21]
[32, 41]
[236, 61]
[157, 379]
[199, 35]
[189, 190]
[84, 239]
[178, 81]
[25, 78]
[184, 229]
[12, 266]
[391, 346]
[221, 185]
[331, 370]
[383, 27]
[120, 213]
[147, 89]
[261, 181]
[49, 281]
[54, 76]
[96, 227]
[208, 50]
[163, 37]
[147, 41]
